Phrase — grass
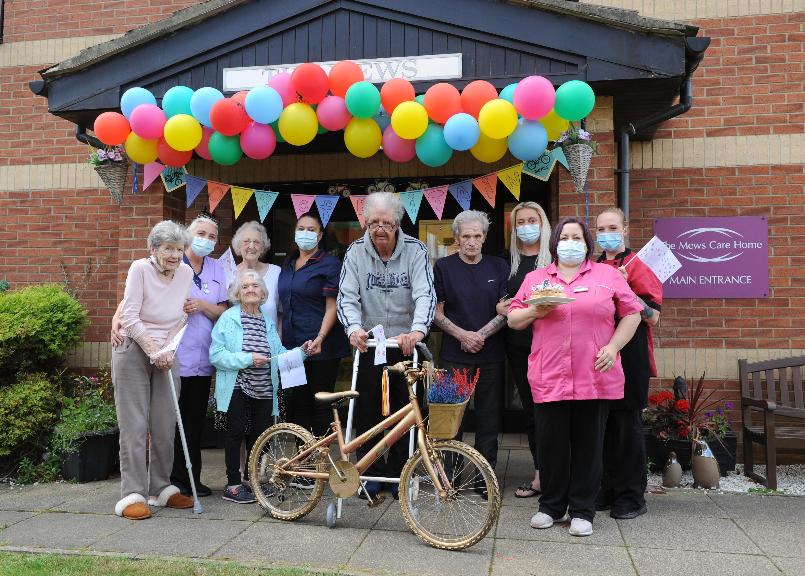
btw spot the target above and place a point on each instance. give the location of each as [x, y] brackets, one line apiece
[14, 564]
[764, 490]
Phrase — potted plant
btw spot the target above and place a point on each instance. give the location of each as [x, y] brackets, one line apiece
[666, 418]
[578, 146]
[721, 438]
[112, 166]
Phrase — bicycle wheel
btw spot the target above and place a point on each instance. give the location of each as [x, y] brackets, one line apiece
[285, 496]
[461, 516]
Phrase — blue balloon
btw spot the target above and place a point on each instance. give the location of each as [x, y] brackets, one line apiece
[461, 131]
[431, 149]
[528, 141]
[177, 101]
[133, 97]
[201, 104]
[263, 104]
[382, 118]
[508, 92]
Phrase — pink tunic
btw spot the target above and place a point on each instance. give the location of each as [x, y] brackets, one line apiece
[565, 342]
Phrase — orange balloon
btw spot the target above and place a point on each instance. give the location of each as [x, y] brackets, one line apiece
[240, 97]
[395, 92]
[171, 157]
[111, 128]
[343, 75]
[442, 100]
[475, 95]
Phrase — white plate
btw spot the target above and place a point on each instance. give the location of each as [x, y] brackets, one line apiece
[546, 300]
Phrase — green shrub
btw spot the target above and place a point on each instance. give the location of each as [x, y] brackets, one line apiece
[47, 470]
[28, 411]
[86, 413]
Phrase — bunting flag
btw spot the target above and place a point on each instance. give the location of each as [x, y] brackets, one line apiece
[152, 170]
[559, 154]
[436, 197]
[173, 178]
[511, 178]
[357, 205]
[487, 185]
[462, 192]
[240, 196]
[542, 167]
[216, 192]
[265, 200]
[412, 199]
[302, 203]
[193, 187]
[325, 203]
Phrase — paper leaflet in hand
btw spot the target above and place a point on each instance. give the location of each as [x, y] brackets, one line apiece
[657, 256]
[227, 260]
[292, 369]
[173, 344]
[380, 350]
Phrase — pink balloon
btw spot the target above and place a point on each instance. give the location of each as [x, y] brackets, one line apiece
[396, 148]
[282, 84]
[202, 149]
[258, 141]
[534, 97]
[148, 121]
[333, 113]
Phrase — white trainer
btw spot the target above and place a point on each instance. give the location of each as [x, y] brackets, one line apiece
[542, 520]
[580, 527]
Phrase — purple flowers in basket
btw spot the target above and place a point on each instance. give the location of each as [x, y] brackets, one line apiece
[454, 388]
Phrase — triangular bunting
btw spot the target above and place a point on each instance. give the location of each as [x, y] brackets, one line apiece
[326, 204]
[265, 200]
[411, 199]
[487, 186]
[357, 205]
[462, 192]
[216, 192]
[436, 197]
[152, 170]
[193, 187]
[511, 178]
[302, 203]
[559, 155]
[240, 196]
[173, 178]
[542, 167]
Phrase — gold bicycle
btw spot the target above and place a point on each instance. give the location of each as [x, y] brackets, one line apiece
[449, 494]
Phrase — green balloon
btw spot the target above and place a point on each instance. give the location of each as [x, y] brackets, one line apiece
[363, 99]
[431, 148]
[574, 100]
[420, 99]
[276, 127]
[225, 149]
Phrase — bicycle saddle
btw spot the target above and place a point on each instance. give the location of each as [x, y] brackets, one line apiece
[334, 397]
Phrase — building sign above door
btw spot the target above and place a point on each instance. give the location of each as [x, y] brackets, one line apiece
[376, 70]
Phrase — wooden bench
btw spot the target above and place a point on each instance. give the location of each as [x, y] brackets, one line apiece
[772, 388]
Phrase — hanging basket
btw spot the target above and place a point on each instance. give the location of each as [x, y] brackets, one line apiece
[578, 158]
[114, 176]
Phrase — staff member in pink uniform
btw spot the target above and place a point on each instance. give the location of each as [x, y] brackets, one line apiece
[574, 371]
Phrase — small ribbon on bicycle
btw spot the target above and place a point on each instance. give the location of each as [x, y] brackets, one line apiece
[385, 398]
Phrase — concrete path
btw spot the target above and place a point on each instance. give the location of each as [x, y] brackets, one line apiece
[684, 532]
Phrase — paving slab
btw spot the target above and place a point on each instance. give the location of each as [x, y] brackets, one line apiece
[790, 566]
[214, 507]
[392, 519]
[61, 530]
[9, 518]
[514, 524]
[665, 563]
[762, 506]
[777, 538]
[101, 499]
[686, 533]
[41, 496]
[684, 503]
[519, 558]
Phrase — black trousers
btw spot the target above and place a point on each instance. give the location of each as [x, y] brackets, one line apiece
[243, 409]
[193, 400]
[571, 440]
[623, 483]
[300, 406]
[488, 392]
[518, 363]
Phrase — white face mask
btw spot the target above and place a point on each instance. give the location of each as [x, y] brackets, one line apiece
[202, 246]
[571, 252]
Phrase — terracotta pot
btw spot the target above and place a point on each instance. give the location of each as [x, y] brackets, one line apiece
[705, 467]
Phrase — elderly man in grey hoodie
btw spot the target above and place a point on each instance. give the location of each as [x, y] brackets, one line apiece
[386, 279]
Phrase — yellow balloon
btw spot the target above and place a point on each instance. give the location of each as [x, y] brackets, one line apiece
[140, 150]
[488, 149]
[298, 124]
[498, 118]
[409, 120]
[362, 137]
[554, 125]
[182, 132]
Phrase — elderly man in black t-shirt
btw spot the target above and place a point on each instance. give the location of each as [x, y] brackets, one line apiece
[469, 289]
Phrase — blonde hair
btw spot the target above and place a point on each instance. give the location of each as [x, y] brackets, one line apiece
[544, 256]
[615, 210]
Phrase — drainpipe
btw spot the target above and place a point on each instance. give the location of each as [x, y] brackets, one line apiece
[82, 136]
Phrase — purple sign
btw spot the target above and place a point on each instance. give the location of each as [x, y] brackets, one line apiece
[720, 257]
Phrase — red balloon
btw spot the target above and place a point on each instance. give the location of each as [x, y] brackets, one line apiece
[228, 117]
[240, 97]
[343, 75]
[310, 82]
[111, 128]
[171, 157]
[203, 148]
[475, 95]
[395, 92]
[442, 100]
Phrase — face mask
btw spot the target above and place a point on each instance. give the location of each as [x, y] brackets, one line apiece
[306, 239]
[528, 234]
[609, 241]
[571, 252]
[202, 246]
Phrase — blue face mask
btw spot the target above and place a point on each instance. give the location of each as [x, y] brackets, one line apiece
[528, 234]
[609, 241]
[202, 246]
[306, 239]
[571, 252]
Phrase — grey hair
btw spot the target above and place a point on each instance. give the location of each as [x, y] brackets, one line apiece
[251, 225]
[384, 201]
[248, 274]
[470, 216]
[544, 256]
[168, 232]
[191, 229]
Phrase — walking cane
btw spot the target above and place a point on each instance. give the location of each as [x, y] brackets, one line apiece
[196, 503]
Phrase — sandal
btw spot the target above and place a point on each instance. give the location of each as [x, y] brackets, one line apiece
[529, 490]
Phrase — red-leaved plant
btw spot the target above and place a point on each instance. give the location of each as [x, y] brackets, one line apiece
[683, 418]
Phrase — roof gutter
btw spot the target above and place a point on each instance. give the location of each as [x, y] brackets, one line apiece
[82, 136]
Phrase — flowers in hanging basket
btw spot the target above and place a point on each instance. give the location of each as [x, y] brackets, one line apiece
[455, 388]
[104, 157]
[576, 135]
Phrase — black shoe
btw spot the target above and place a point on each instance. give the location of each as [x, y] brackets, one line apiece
[628, 515]
[601, 506]
[372, 488]
[201, 490]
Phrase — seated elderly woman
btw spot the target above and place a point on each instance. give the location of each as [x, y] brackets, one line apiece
[244, 350]
[151, 314]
